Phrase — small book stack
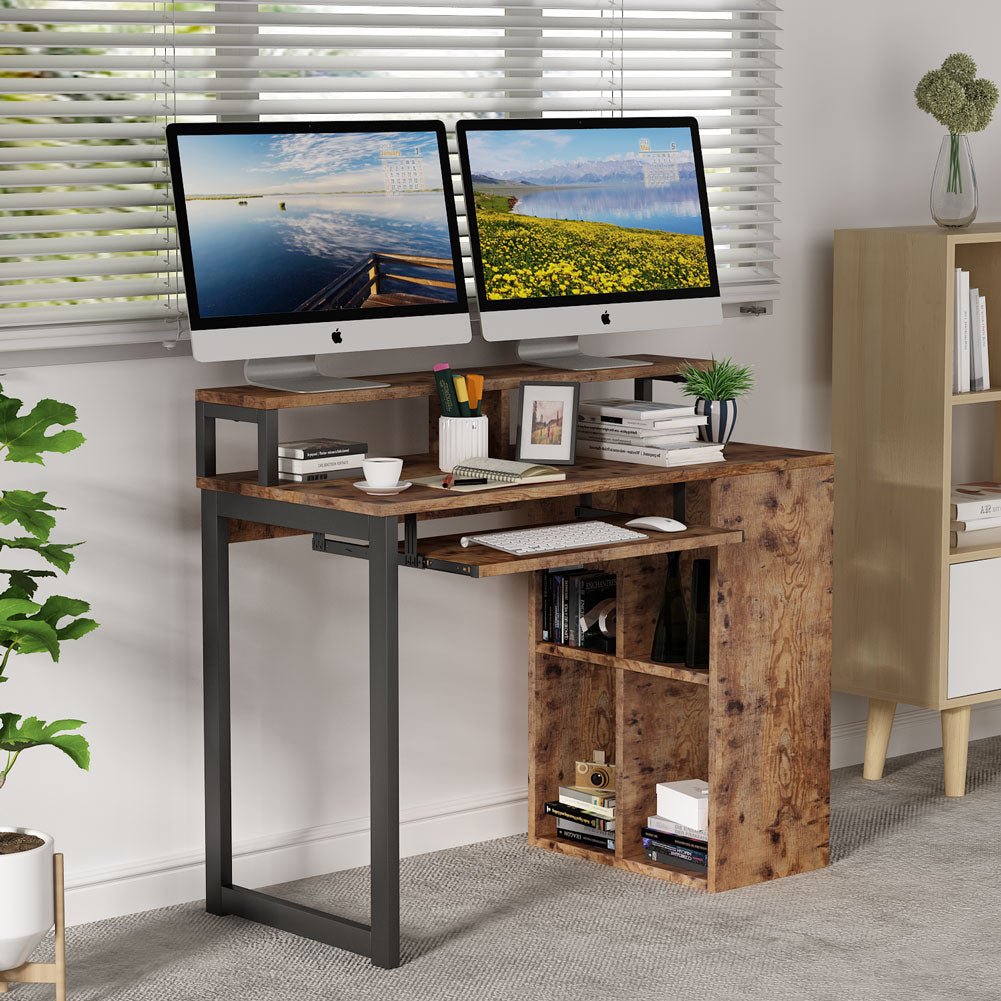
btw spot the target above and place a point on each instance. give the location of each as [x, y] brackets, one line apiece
[578, 609]
[655, 434]
[315, 459]
[970, 355]
[976, 515]
[678, 834]
[585, 816]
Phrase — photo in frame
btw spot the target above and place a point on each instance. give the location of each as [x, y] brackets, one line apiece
[547, 422]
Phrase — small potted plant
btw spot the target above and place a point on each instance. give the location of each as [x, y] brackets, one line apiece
[716, 390]
[29, 625]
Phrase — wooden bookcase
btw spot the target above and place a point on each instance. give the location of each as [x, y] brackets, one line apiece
[894, 408]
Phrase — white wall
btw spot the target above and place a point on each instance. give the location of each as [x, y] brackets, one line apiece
[855, 152]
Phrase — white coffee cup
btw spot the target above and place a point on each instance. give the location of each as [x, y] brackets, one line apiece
[382, 472]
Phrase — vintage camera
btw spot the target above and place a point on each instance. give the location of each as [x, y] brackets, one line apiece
[596, 774]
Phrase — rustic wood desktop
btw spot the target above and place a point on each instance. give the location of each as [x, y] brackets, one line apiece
[755, 725]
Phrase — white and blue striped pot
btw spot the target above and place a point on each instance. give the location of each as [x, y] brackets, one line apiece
[722, 416]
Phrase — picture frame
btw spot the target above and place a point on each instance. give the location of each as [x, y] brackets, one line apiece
[547, 422]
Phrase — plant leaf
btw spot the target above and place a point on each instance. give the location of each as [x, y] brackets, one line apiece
[52, 552]
[18, 735]
[29, 636]
[25, 436]
[59, 607]
[28, 510]
[17, 606]
[22, 582]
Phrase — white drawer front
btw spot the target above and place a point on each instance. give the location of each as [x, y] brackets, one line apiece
[974, 627]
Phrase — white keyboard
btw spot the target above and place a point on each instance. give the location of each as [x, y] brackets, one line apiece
[553, 538]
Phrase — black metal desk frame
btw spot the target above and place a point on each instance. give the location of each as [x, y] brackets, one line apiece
[377, 544]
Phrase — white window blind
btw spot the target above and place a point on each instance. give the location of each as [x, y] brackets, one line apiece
[87, 251]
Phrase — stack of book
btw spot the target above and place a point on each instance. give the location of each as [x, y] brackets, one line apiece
[678, 833]
[655, 434]
[585, 816]
[970, 354]
[316, 459]
[578, 609]
[976, 515]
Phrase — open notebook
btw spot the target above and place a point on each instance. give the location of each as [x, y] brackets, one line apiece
[498, 473]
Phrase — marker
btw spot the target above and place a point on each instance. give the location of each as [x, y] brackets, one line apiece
[474, 386]
[446, 391]
[461, 395]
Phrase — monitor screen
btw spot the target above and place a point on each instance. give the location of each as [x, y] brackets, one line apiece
[571, 212]
[284, 223]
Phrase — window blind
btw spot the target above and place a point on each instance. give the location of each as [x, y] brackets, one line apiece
[87, 248]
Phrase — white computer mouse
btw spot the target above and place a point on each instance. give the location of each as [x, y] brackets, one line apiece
[657, 524]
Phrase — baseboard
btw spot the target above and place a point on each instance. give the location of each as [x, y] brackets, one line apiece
[913, 730]
[108, 892]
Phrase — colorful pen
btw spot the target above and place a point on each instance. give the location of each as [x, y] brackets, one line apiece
[461, 395]
[446, 391]
[474, 387]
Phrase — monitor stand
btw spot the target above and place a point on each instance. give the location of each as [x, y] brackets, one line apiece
[565, 352]
[299, 375]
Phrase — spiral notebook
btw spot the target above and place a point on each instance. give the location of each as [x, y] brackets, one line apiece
[498, 473]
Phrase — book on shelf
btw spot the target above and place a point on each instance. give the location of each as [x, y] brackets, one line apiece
[647, 431]
[621, 424]
[578, 815]
[971, 501]
[578, 609]
[961, 333]
[658, 839]
[979, 372]
[589, 840]
[682, 454]
[985, 352]
[589, 798]
[665, 826]
[970, 540]
[679, 862]
[321, 465]
[608, 813]
[677, 851]
[975, 524]
[657, 439]
[319, 448]
[634, 410]
[318, 477]
[563, 824]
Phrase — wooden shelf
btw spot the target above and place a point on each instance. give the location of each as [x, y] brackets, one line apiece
[445, 552]
[677, 672]
[974, 553]
[984, 396]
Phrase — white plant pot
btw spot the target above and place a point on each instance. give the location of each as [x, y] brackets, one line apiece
[26, 900]
[722, 416]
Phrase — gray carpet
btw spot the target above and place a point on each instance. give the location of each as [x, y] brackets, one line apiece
[908, 910]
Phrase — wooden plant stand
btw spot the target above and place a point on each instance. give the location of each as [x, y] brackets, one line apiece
[46, 973]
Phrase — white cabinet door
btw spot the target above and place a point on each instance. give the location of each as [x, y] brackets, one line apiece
[974, 627]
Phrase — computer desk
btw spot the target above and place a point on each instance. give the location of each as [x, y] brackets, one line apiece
[755, 724]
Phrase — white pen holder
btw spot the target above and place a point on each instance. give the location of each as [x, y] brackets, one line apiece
[459, 439]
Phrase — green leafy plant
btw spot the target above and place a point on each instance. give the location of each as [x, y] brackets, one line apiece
[956, 98]
[26, 624]
[723, 380]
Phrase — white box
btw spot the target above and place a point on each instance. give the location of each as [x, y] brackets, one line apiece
[685, 802]
[973, 628]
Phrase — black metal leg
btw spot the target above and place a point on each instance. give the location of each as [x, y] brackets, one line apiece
[205, 464]
[643, 389]
[384, 739]
[218, 774]
[267, 448]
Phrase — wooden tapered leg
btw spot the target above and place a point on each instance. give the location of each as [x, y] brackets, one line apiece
[955, 744]
[877, 737]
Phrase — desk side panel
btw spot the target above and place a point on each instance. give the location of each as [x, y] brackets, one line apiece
[770, 678]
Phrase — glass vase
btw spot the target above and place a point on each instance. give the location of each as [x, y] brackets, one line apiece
[954, 185]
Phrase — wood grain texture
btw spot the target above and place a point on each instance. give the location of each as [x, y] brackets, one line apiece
[253, 531]
[638, 864]
[769, 678]
[571, 713]
[411, 385]
[676, 672]
[662, 735]
[879, 726]
[593, 476]
[955, 748]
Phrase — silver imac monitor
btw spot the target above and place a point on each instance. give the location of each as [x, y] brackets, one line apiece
[587, 226]
[299, 239]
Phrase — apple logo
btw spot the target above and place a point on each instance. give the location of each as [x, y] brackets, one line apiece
[336, 337]
[605, 318]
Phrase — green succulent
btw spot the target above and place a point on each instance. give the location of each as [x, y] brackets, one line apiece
[955, 97]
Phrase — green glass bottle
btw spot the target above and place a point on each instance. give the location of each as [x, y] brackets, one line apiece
[670, 638]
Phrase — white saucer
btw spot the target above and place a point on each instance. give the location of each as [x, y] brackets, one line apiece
[396, 488]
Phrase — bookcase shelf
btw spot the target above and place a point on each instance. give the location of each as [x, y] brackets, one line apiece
[677, 672]
[894, 298]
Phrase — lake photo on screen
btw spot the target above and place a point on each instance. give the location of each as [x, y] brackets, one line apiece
[298, 223]
[578, 212]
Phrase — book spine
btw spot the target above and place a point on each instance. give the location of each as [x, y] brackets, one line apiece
[573, 619]
[588, 799]
[579, 816]
[660, 839]
[674, 852]
[973, 510]
[976, 525]
[668, 858]
[321, 451]
[607, 812]
[665, 826]
[967, 540]
[957, 334]
[984, 343]
[964, 347]
[330, 474]
[976, 345]
[320, 465]
[592, 840]
[547, 597]
[562, 824]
